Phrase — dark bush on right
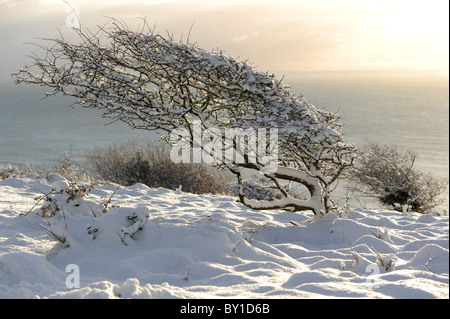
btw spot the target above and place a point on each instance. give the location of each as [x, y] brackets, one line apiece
[386, 173]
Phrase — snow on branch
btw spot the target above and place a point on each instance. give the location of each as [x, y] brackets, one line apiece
[153, 82]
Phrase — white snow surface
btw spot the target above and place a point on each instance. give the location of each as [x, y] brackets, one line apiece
[159, 243]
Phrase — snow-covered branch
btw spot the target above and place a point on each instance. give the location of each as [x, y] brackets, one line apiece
[153, 82]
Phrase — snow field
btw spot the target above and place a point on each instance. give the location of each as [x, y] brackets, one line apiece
[159, 243]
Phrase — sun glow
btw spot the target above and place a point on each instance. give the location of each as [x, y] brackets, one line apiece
[416, 18]
[416, 31]
[301, 35]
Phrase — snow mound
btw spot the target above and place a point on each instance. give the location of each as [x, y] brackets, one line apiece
[100, 241]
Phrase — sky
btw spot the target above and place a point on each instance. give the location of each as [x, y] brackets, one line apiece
[280, 36]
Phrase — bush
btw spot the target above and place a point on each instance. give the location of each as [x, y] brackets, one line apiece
[10, 171]
[386, 173]
[132, 163]
[63, 166]
[67, 168]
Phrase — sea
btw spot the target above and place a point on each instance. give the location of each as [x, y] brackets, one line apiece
[406, 109]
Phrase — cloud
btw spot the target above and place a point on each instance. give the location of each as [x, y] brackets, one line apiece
[276, 35]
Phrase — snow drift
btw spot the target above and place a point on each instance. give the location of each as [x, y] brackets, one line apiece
[159, 243]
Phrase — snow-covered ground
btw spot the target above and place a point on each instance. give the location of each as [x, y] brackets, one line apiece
[158, 243]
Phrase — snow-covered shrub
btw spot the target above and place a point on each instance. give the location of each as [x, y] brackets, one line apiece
[56, 233]
[9, 171]
[386, 173]
[64, 166]
[67, 199]
[68, 169]
[62, 198]
[385, 261]
[150, 164]
[137, 224]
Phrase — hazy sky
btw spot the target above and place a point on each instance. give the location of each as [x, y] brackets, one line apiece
[276, 35]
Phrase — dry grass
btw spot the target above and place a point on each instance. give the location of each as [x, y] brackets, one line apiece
[150, 164]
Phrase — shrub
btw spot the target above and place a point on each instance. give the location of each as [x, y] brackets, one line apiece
[386, 173]
[150, 164]
[63, 166]
[10, 171]
[67, 168]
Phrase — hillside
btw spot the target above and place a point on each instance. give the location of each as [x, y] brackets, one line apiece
[138, 242]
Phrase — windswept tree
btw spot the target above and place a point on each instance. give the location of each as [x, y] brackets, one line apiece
[153, 82]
